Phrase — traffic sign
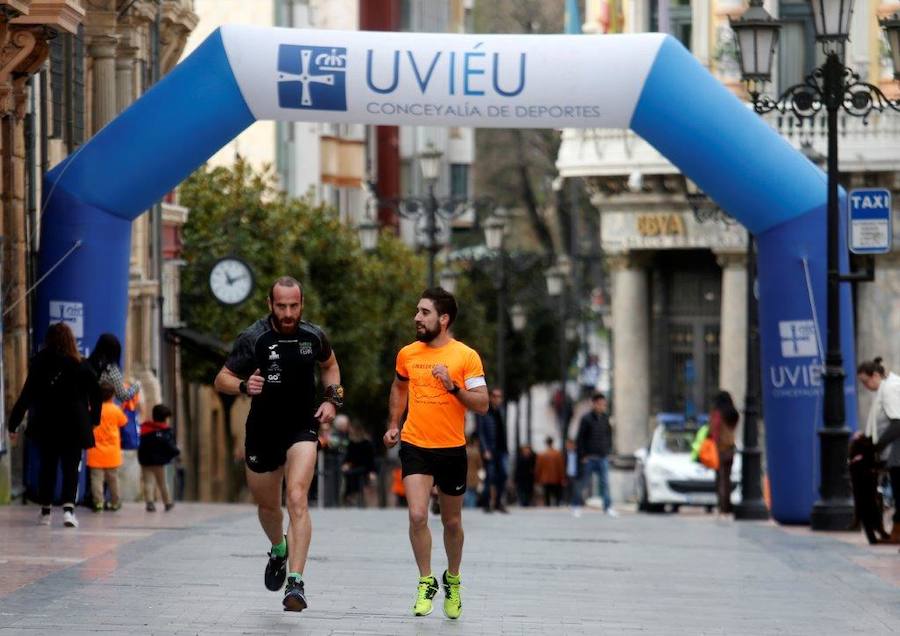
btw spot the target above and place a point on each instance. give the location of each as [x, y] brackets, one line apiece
[869, 221]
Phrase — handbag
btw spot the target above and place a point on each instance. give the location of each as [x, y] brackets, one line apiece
[709, 454]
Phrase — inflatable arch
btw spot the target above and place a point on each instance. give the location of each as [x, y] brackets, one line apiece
[646, 82]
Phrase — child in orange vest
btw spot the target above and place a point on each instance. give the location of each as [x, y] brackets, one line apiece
[105, 457]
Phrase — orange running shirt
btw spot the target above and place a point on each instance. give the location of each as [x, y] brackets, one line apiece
[436, 419]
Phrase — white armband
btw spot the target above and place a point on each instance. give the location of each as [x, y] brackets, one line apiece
[475, 382]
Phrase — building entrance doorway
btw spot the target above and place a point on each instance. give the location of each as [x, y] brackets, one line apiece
[686, 289]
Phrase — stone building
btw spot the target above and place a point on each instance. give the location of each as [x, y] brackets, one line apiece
[68, 68]
[678, 285]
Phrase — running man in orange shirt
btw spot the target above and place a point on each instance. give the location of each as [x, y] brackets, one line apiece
[438, 378]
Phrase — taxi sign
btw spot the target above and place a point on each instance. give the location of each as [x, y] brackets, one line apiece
[869, 221]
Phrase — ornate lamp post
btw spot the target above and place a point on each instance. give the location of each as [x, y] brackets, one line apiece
[833, 87]
[519, 318]
[556, 287]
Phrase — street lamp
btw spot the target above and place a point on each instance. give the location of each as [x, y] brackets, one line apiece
[518, 317]
[832, 87]
[556, 286]
[368, 234]
[448, 280]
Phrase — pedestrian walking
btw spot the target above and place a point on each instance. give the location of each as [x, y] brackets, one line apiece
[104, 459]
[156, 450]
[550, 473]
[275, 361]
[723, 421]
[63, 396]
[883, 425]
[524, 475]
[593, 444]
[106, 360]
[437, 379]
[359, 465]
[474, 470]
[491, 429]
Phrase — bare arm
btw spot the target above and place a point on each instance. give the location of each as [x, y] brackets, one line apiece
[329, 371]
[229, 383]
[396, 407]
[476, 399]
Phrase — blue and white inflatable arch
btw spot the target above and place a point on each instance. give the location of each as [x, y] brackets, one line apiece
[647, 82]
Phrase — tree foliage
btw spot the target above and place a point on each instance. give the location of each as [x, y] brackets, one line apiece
[364, 302]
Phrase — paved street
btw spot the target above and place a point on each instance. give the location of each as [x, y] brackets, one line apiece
[198, 570]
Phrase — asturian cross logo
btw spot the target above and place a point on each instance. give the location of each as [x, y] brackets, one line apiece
[312, 77]
[798, 338]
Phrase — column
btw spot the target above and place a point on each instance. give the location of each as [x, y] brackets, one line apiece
[878, 318]
[733, 326]
[102, 48]
[631, 352]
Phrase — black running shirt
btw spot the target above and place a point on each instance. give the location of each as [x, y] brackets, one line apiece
[288, 363]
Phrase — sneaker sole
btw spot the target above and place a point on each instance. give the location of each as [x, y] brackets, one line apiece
[428, 613]
[452, 618]
[70, 524]
[292, 604]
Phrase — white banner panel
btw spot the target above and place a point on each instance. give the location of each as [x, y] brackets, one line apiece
[511, 81]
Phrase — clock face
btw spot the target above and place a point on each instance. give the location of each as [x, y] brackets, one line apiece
[231, 281]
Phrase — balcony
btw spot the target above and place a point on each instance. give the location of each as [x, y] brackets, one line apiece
[871, 147]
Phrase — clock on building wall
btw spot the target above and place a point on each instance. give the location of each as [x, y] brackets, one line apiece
[231, 280]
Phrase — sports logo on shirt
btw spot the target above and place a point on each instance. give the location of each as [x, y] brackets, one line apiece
[306, 349]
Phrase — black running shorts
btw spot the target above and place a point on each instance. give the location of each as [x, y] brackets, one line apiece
[447, 465]
[266, 450]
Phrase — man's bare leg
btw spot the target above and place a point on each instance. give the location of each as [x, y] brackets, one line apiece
[299, 469]
[451, 516]
[266, 491]
[418, 496]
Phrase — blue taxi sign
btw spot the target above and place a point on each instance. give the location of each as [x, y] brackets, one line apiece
[869, 221]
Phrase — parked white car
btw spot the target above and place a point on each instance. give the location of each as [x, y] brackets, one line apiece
[665, 475]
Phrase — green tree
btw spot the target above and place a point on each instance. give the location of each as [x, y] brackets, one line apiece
[364, 302]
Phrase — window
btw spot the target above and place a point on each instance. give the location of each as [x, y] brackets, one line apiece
[797, 54]
[679, 20]
[67, 88]
[459, 180]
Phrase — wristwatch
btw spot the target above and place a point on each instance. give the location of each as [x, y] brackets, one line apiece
[454, 390]
[334, 393]
[242, 387]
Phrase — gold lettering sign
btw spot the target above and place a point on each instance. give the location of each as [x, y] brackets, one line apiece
[649, 225]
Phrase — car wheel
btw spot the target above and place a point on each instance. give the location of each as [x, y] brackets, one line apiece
[709, 509]
[676, 508]
[644, 504]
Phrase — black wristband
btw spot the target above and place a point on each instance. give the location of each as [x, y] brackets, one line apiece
[242, 387]
[454, 390]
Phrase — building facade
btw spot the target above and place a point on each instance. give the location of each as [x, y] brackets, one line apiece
[73, 66]
[678, 277]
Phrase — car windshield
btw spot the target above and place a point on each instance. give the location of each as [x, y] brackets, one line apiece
[675, 440]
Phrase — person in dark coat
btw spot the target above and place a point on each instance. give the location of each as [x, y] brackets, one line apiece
[524, 475]
[63, 396]
[157, 448]
[494, 452]
[359, 464]
[594, 444]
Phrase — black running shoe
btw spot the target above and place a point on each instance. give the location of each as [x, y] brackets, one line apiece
[276, 571]
[294, 596]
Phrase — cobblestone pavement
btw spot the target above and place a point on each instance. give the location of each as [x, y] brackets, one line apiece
[198, 570]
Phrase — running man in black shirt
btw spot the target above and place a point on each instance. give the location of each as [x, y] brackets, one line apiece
[274, 361]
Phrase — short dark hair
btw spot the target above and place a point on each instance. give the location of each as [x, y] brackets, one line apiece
[597, 396]
[730, 416]
[871, 367]
[107, 391]
[284, 281]
[549, 441]
[444, 302]
[161, 413]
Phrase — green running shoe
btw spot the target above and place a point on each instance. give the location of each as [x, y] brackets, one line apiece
[428, 587]
[452, 600]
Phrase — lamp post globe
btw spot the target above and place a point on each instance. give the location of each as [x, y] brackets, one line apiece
[832, 19]
[368, 234]
[756, 36]
[449, 278]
